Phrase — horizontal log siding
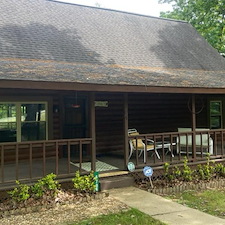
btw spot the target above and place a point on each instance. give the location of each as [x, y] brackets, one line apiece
[109, 123]
[202, 119]
[153, 113]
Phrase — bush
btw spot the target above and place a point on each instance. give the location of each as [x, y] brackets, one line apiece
[206, 172]
[20, 193]
[85, 183]
[203, 172]
[46, 185]
[177, 172]
[187, 173]
[168, 175]
[220, 170]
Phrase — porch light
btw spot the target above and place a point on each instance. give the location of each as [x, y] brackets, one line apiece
[76, 105]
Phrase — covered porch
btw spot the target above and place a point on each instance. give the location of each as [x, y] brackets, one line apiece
[94, 136]
[64, 164]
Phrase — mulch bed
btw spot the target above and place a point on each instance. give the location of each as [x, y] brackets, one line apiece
[9, 207]
[162, 187]
[68, 213]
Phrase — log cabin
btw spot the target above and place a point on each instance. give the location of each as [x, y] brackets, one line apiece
[74, 79]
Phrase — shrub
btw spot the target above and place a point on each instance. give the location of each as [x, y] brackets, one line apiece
[220, 169]
[20, 193]
[166, 169]
[206, 172]
[46, 185]
[167, 173]
[177, 172]
[85, 183]
[187, 173]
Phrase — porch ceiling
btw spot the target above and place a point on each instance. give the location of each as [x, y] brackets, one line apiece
[119, 78]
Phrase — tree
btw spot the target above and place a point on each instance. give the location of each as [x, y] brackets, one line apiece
[207, 16]
[97, 4]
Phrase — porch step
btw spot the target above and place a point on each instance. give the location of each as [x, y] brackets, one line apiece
[107, 183]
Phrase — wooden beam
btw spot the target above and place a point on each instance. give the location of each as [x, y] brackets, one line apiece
[193, 111]
[42, 85]
[92, 130]
[125, 125]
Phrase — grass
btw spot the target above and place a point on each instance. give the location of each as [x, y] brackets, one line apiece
[209, 201]
[130, 217]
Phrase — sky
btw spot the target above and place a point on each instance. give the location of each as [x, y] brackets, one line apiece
[145, 7]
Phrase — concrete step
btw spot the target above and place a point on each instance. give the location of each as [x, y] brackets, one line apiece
[107, 183]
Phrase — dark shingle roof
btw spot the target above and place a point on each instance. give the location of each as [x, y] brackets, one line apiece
[91, 39]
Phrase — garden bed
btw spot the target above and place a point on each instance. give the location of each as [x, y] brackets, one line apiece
[46, 193]
[178, 179]
[70, 213]
[160, 188]
[9, 207]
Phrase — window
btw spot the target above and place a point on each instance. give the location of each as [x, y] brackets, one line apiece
[216, 114]
[8, 125]
[23, 121]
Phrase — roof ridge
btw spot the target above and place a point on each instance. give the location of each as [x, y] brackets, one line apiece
[119, 11]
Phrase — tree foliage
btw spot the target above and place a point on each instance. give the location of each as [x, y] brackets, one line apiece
[207, 16]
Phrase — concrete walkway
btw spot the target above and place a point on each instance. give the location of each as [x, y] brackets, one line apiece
[163, 209]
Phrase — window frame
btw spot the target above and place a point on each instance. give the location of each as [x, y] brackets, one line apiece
[220, 114]
[18, 105]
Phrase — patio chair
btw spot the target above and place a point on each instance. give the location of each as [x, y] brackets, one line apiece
[140, 145]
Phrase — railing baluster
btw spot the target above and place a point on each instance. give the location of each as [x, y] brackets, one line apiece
[179, 147]
[145, 150]
[57, 158]
[80, 151]
[201, 144]
[154, 139]
[44, 158]
[2, 163]
[187, 149]
[208, 140]
[215, 143]
[222, 144]
[30, 160]
[171, 147]
[136, 152]
[163, 149]
[69, 159]
[17, 161]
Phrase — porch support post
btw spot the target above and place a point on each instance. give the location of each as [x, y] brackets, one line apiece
[125, 122]
[193, 127]
[92, 130]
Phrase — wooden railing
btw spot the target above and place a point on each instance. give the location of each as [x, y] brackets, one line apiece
[174, 146]
[32, 160]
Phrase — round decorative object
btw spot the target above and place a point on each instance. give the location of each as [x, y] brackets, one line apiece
[148, 171]
[131, 166]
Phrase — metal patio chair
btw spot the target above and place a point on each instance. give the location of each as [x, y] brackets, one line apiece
[138, 144]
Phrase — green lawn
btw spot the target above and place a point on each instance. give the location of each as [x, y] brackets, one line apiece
[130, 217]
[209, 201]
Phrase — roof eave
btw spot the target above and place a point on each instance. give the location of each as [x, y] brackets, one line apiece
[68, 86]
